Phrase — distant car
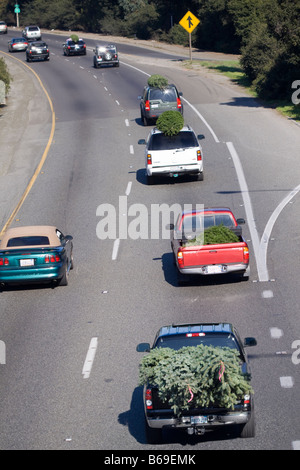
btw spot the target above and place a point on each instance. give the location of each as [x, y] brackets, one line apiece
[32, 33]
[106, 55]
[154, 101]
[71, 47]
[35, 254]
[173, 156]
[3, 27]
[37, 50]
[17, 44]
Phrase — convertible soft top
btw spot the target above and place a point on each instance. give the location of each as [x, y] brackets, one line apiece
[30, 236]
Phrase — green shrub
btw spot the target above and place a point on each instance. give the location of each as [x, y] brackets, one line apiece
[170, 122]
[74, 37]
[214, 235]
[5, 75]
[157, 81]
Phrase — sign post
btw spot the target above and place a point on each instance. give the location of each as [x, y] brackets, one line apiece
[189, 23]
[17, 11]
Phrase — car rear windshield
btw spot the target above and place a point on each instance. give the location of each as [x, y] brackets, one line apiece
[184, 139]
[33, 28]
[166, 95]
[198, 221]
[221, 340]
[28, 241]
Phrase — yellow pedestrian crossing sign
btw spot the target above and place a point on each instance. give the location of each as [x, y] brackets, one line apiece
[189, 22]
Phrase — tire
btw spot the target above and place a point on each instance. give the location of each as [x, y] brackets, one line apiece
[248, 429]
[65, 279]
[200, 176]
[153, 435]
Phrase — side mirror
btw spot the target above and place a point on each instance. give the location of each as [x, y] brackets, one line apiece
[142, 142]
[201, 136]
[68, 238]
[250, 342]
[143, 347]
[240, 221]
[170, 227]
[180, 93]
[139, 97]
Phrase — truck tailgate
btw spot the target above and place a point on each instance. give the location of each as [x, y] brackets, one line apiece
[227, 253]
[174, 157]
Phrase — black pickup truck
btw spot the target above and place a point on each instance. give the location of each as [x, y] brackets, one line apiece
[160, 415]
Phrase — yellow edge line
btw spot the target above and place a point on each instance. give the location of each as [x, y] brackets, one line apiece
[44, 156]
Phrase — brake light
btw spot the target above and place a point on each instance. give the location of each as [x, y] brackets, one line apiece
[148, 399]
[199, 156]
[247, 402]
[246, 254]
[4, 262]
[180, 257]
[149, 159]
[147, 105]
[193, 335]
[179, 105]
[52, 259]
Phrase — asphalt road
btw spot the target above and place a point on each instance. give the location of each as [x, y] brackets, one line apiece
[120, 293]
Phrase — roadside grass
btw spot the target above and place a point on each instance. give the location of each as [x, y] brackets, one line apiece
[233, 70]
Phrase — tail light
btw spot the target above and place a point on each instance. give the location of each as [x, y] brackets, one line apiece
[179, 105]
[148, 399]
[246, 254]
[199, 156]
[247, 402]
[180, 257]
[147, 105]
[4, 262]
[52, 259]
[149, 159]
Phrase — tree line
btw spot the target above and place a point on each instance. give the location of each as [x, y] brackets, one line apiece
[265, 32]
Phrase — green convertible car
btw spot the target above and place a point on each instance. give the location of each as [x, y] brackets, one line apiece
[35, 254]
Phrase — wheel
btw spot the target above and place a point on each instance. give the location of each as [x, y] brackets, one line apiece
[150, 180]
[200, 176]
[248, 429]
[64, 280]
[153, 435]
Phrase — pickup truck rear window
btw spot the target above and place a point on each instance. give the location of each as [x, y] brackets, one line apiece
[198, 221]
[179, 341]
[184, 139]
[28, 241]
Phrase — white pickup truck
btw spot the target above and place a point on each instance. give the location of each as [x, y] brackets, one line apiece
[173, 156]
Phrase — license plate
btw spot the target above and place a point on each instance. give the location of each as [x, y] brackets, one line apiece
[198, 419]
[27, 262]
[216, 269]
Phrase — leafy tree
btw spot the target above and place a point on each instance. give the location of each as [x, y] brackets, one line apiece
[170, 123]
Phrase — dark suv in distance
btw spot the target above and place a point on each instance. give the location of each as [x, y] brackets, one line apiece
[71, 47]
[37, 50]
[155, 101]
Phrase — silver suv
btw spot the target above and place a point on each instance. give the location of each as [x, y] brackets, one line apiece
[155, 101]
[32, 32]
[106, 55]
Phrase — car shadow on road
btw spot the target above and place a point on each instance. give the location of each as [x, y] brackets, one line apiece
[174, 278]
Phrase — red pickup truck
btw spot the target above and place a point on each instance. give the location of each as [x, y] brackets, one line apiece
[207, 259]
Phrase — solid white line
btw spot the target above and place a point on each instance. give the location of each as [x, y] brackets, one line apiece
[203, 120]
[88, 363]
[261, 266]
[115, 249]
[263, 247]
